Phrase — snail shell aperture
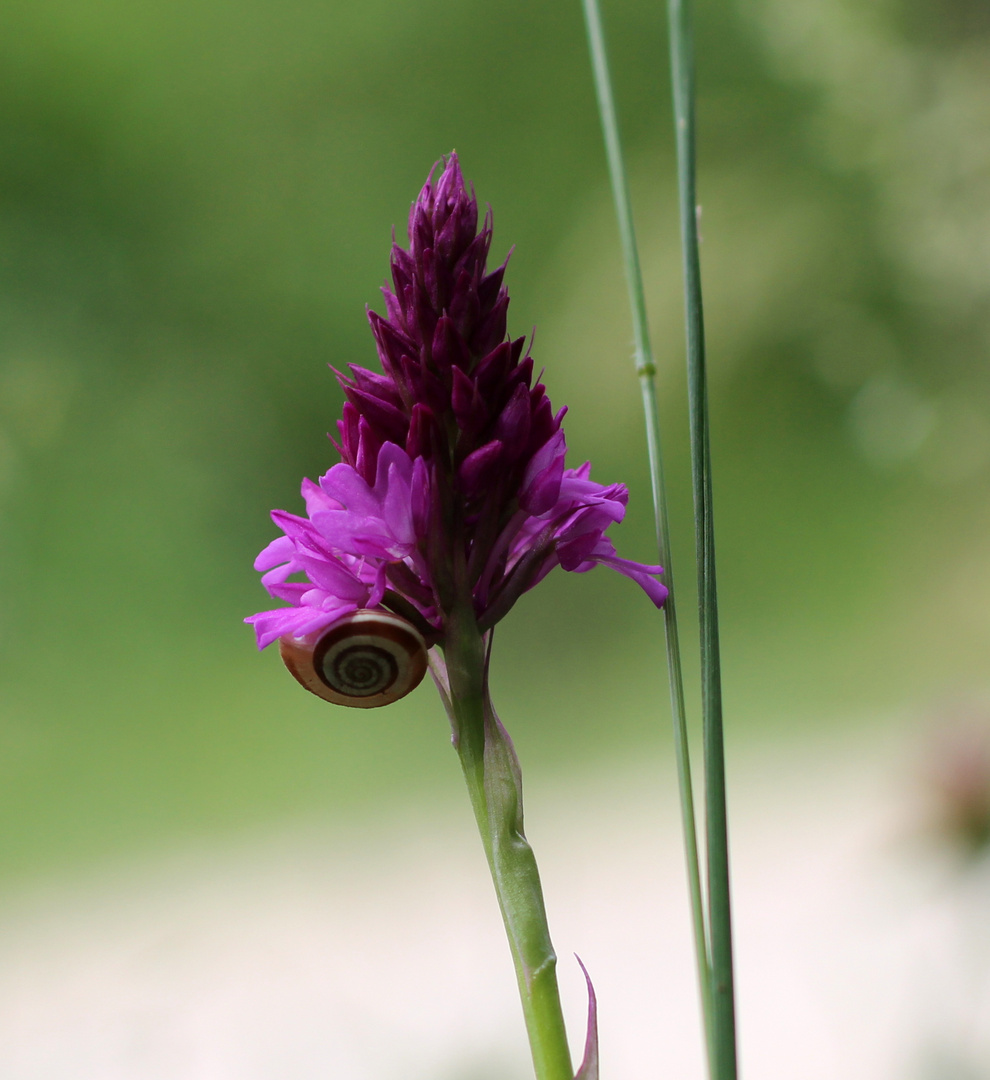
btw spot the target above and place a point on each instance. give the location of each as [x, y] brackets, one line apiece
[365, 659]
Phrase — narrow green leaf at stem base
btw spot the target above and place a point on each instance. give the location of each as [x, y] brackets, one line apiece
[588, 1069]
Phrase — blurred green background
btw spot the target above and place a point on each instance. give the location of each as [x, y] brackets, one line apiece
[195, 207]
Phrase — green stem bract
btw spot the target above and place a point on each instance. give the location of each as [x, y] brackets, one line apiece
[646, 370]
[719, 910]
[494, 783]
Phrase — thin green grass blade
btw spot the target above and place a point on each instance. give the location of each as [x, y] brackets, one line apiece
[646, 370]
[719, 911]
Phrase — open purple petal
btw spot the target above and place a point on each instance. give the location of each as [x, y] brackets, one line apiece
[350, 489]
[269, 626]
[277, 552]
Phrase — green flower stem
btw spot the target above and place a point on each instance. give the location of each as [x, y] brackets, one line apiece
[494, 783]
[646, 370]
[719, 911]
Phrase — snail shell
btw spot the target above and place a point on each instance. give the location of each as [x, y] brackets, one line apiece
[365, 659]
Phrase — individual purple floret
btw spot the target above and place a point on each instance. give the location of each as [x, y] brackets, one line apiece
[452, 482]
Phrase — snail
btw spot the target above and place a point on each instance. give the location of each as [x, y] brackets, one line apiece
[365, 659]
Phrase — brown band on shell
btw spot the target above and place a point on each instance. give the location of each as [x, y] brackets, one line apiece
[387, 645]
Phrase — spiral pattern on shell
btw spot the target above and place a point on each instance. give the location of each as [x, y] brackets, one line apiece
[365, 659]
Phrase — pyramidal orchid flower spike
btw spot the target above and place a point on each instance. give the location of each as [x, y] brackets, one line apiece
[452, 479]
[451, 499]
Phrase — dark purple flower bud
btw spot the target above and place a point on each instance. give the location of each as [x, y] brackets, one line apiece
[448, 348]
[490, 287]
[393, 343]
[541, 481]
[489, 330]
[494, 370]
[467, 404]
[480, 468]
[388, 420]
[512, 427]
[424, 435]
[452, 484]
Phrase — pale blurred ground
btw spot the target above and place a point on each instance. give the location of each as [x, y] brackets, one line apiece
[376, 953]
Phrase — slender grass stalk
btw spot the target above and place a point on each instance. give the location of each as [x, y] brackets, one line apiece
[646, 370]
[719, 911]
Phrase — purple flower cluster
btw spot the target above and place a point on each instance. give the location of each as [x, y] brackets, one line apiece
[452, 486]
